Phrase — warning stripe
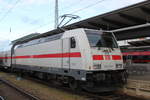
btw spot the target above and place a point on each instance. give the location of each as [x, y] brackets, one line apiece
[107, 57]
[116, 57]
[62, 55]
[57, 55]
[98, 57]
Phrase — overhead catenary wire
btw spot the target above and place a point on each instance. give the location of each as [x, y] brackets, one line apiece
[71, 5]
[9, 10]
[45, 24]
[4, 6]
[86, 7]
[40, 26]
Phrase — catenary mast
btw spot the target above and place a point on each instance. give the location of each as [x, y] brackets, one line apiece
[56, 14]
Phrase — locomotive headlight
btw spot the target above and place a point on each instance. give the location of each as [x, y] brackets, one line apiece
[118, 65]
[97, 66]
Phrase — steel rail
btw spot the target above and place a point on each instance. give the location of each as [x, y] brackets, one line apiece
[90, 96]
[93, 96]
[1, 98]
[18, 89]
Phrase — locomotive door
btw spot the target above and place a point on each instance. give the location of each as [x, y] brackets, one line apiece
[66, 53]
[13, 61]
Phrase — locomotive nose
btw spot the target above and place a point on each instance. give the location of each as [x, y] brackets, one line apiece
[106, 59]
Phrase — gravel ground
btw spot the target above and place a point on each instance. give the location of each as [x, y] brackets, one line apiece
[9, 93]
[140, 77]
[39, 90]
[42, 91]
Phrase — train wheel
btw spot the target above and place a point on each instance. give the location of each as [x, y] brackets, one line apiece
[73, 84]
[124, 76]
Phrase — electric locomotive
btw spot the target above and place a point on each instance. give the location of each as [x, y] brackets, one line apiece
[85, 58]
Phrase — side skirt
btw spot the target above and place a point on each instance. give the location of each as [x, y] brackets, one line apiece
[75, 73]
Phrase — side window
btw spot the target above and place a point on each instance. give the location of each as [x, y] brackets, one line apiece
[72, 42]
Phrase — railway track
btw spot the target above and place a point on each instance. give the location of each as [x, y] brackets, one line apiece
[11, 92]
[90, 96]
[112, 96]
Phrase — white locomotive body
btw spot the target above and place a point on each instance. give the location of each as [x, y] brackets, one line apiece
[91, 57]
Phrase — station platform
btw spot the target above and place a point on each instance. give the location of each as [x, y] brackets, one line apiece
[138, 83]
[138, 71]
[138, 88]
[140, 77]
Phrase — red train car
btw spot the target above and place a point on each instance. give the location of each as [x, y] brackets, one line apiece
[136, 54]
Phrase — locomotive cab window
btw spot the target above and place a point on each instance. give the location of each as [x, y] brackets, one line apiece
[97, 39]
[72, 42]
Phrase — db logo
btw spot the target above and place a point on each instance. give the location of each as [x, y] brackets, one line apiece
[107, 57]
